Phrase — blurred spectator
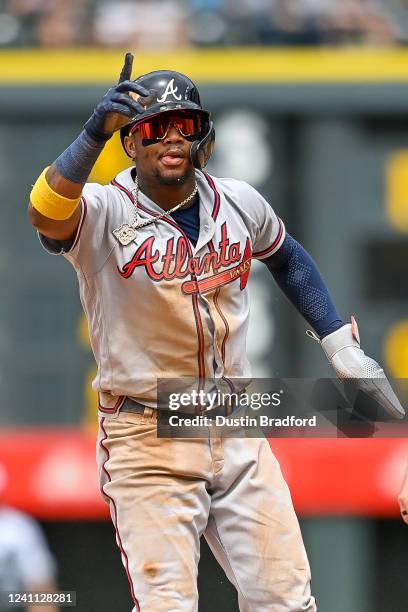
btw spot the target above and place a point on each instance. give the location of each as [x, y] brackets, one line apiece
[147, 24]
[26, 563]
[314, 22]
[44, 23]
[361, 21]
[399, 10]
[291, 22]
[169, 24]
[60, 23]
[208, 23]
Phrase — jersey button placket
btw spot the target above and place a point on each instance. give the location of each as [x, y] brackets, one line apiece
[207, 230]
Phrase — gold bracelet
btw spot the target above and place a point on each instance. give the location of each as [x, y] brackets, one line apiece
[49, 203]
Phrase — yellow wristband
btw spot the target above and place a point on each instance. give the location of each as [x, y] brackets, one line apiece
[49, 203]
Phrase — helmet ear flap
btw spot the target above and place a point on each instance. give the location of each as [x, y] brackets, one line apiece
[201, 150]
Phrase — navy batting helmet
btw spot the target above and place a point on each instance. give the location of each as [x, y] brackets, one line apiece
[174, 91]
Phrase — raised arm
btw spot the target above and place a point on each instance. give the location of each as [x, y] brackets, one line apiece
[54, 200]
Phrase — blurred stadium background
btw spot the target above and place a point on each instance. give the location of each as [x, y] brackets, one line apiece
[310, 99]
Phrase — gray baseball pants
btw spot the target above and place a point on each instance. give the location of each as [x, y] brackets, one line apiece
[165, 493]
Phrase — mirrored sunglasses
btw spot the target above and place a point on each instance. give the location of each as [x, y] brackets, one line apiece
[156, 128]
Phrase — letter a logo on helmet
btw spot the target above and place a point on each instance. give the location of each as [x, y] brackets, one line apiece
[170, 90]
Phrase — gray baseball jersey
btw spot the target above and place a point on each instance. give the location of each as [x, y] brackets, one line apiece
[160, 307]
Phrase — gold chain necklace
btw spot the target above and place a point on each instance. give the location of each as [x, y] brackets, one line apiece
[126, 233]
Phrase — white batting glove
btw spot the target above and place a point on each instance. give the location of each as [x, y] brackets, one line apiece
[342, 349]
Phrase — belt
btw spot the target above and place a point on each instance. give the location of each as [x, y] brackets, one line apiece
[130, 405]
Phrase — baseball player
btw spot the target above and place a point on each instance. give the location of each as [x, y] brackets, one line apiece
[162, 256]
[26, 563]
[403, 497]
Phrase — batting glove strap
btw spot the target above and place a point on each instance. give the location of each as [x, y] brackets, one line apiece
[342, 349]
[339, 340]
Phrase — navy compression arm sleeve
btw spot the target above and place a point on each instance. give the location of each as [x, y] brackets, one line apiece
[300, 280]
[76, 162]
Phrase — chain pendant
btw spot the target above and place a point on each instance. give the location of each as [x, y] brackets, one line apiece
[125, 234]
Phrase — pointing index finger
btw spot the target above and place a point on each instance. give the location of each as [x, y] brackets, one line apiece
[127, 68]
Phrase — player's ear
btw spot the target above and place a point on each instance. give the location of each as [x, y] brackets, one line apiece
[130, 146]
